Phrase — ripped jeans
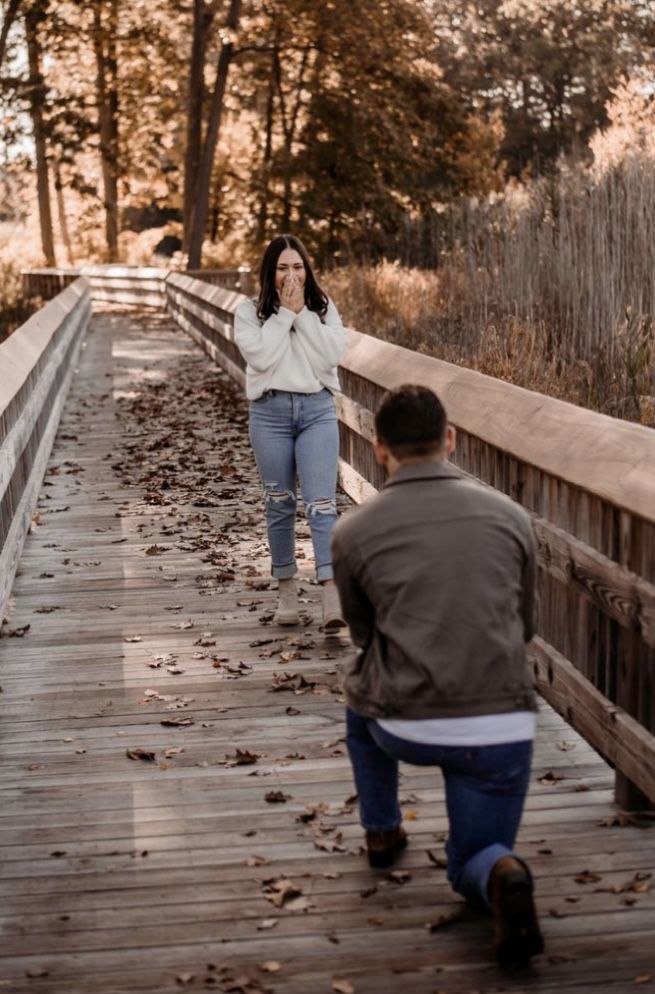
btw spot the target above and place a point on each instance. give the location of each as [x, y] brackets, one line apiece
[297, 435]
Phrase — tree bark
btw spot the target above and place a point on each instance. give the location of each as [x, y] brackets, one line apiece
[202, 19]
[262, 215]
[289, 124]
[201, 204]
[9, 18]
[63, 221]
[104, 43]
[33, 18]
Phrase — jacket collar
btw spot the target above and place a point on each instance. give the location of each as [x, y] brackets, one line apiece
[424, 471]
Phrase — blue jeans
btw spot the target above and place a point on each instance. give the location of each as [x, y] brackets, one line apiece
[297, 435]
[485, 792]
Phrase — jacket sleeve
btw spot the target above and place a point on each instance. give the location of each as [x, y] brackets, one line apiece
[529, 602]
[324, 344]
[357, 609]
[262, 345]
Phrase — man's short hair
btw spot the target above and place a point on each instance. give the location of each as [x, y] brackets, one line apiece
[411, 421]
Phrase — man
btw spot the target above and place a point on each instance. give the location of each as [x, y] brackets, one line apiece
[436, 577]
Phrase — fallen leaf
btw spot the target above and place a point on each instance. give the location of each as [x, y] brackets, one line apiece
[620, 820]
[276, 797]
[178, 722]
[242, 758]
[269, 966]
[16, 633]
[587, 877]
[448, 918]
[36, 971]
[267, 923]
[342, 987]
[132, 638]
[184, 978]
[144, 754]
[399, 876]
[550, 778]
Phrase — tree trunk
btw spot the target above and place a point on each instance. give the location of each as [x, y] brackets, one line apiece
[63, 222]
[201, 204]
[289, 123]
[8, 20]
[202, 19]
[104, 43]
[262, 216]
[33, 18]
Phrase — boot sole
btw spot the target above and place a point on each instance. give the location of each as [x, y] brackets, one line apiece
[383, 860]
[333, 625]
[521, 938]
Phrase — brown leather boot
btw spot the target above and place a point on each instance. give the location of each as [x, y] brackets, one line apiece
[516, 927]
[382, 847]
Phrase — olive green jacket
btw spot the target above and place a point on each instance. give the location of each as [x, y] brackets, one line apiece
[436, 576]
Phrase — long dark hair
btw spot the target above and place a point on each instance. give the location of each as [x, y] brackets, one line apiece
[268, 302]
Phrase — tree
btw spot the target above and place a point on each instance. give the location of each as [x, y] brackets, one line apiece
[548, 67]
[105, 30]
[201, 195]
[35, 15]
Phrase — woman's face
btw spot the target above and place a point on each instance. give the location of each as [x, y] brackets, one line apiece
[289, 262]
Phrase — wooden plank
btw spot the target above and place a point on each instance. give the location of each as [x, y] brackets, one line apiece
[96, 914]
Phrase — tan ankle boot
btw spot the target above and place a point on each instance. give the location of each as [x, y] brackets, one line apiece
[332, 617]
[287, 603]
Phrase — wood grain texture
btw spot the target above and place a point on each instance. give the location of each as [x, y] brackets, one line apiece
[122, 876]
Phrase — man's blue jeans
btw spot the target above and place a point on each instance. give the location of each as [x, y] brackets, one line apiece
[485, 792]
[297, 435]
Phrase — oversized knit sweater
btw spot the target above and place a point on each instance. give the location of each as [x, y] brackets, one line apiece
[295, 352]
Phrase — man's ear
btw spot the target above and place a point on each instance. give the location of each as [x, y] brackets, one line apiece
[381, 452]
[451, 440]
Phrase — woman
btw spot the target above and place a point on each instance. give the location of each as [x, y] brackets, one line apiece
[292, 339]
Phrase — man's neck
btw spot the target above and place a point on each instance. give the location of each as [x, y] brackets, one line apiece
[394, 465]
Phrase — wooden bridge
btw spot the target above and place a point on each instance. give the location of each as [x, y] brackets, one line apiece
[176, 806]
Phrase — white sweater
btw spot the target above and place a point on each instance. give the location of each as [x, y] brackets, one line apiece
[295, 352]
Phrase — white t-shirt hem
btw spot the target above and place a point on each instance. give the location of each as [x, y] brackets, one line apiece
[481, 730]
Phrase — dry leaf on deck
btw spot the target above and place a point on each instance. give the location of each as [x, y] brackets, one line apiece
[144, 754]
[269, 966]
[276, 797]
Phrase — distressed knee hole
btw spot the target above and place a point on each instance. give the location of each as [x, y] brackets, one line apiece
[321, 506]
[273, 495]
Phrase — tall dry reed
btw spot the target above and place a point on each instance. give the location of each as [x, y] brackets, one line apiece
[551, 286]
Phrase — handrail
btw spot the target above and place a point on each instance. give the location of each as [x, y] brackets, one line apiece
[587, 480]
[37, 363]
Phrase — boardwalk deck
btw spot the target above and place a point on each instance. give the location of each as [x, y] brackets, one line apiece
[146, 591]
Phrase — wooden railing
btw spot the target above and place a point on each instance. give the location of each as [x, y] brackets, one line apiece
[37, 363]
[131, 285]
[587, 480]
[137, 286]
[240, 279]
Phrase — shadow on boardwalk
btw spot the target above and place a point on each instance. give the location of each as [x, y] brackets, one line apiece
[225, 853]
